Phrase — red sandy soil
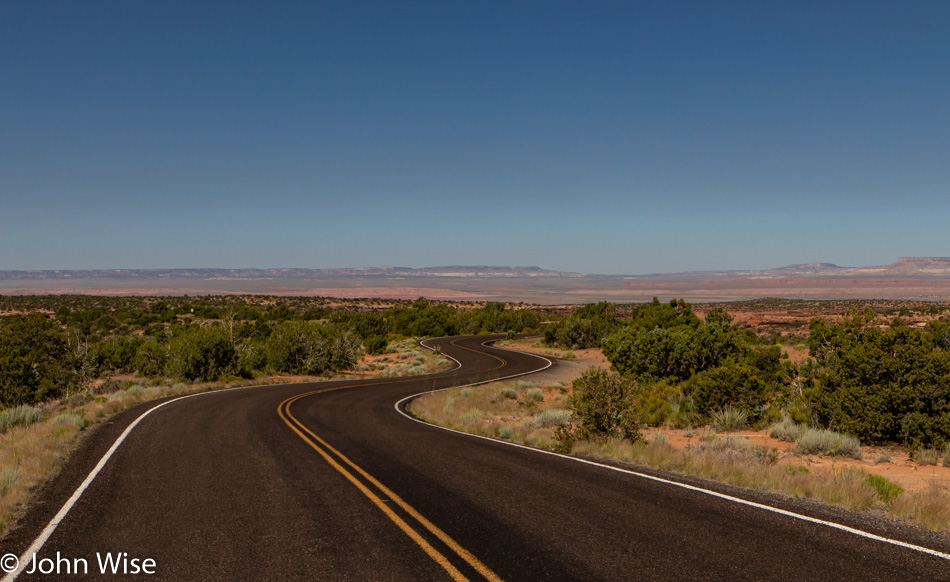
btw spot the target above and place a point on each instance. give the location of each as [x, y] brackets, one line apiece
[899, 469]
[763, 320]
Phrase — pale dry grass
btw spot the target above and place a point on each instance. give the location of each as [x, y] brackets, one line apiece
[516, 411]
[827, 442]
[931, 507]
[414, 361]
[28, 454]
[731, 460]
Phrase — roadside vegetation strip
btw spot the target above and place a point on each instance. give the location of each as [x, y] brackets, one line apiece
[328, 452]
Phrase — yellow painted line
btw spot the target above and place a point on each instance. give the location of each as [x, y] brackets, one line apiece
[437, 556]
[503, 361]
[480, 567]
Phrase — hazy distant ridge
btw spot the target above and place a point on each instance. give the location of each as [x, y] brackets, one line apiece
[356, 272]
[905, 267]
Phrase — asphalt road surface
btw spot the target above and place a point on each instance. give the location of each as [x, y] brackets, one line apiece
[328, 481]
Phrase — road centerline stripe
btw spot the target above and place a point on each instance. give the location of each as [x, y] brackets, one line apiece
[325, 450]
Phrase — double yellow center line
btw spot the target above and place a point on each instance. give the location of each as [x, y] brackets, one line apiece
[382, 496]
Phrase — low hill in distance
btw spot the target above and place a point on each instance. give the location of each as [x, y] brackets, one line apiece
[909, 278]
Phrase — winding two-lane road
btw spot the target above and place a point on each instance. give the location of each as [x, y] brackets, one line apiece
[328, 481]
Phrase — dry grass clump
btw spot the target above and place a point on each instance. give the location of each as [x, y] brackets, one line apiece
[732, 460]
[415, 363]
[68, 418]
[849, 487]
[515, 411]
[786, 430]
[815, 441]
[19, 415]
[729, 418]
[535, 394]
[927, 456]
[509, 393]
[931, 508]
[549, 418]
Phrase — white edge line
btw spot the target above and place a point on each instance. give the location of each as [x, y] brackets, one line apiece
[784, 512]
[459, 365]
[27, 556]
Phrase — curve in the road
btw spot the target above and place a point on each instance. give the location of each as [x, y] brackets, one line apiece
[219, 488]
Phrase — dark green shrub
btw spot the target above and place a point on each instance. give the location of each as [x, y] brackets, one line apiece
[734, 385]
[151, 357]
[882, 385]
[671, 353]
[36, 362]
[886, 491]
[376, 344]
[202, 353]
[585, 328]
[655, 403]
[602, 407]
[299, 347]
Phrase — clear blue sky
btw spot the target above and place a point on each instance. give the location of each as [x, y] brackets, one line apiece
[606, 137]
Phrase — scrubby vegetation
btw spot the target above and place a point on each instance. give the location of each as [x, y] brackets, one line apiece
[674, 367]
[52, 347]
[585, 328]
[877, 382]
[601, 409]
